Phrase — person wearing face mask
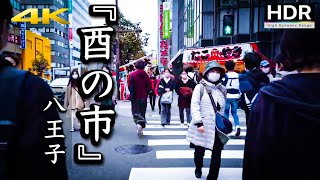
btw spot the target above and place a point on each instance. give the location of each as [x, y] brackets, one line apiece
[73, 101]
[265, 67]
[184, 89]
[165, 85]
[282, 140]
[202, 133]
[110, 102]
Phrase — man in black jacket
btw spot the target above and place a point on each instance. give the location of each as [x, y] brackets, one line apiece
[254, 78]
[25, 156]
[282, 139]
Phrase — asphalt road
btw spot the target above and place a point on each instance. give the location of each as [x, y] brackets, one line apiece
[170, 157]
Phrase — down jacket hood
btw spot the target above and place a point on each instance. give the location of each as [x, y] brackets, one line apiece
[299, 92]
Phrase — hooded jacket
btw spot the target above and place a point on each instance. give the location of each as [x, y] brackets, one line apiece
[282, 139]
[139, 85]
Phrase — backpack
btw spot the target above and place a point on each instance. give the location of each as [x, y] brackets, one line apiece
[231, 84]
[11, 82]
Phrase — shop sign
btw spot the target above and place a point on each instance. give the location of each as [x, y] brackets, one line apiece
[224, 52]
[12, 38]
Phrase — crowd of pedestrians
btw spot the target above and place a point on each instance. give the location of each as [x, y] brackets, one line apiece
[279, 99]
[282, 110]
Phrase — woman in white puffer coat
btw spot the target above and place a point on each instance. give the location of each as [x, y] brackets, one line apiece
[202, 133]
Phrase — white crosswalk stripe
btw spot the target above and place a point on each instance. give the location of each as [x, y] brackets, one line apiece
[170, 145]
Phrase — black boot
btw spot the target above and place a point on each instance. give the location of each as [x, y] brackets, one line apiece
[198, 160]
[198, 173]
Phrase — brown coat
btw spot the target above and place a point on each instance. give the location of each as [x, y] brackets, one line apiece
[73, 99]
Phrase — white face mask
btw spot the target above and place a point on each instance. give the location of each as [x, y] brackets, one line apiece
[265, 70]
[184, 76]
[213, 77]
[75, 76]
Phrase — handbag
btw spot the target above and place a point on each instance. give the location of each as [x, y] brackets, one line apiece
[167, 98]
[222, 123]
[186, 92]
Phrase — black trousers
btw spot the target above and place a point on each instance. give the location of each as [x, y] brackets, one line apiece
[152, 98]
[138, 109]
[159, 104]
[215, 158]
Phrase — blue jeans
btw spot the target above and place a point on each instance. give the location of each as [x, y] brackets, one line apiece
[234, 107]
[165, 114]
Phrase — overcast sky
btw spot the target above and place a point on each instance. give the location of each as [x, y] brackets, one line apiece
[136, 11]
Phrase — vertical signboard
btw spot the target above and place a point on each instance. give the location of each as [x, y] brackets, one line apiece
[23, 35]
[164, 43]
[166, 20]
[190, 12]
[70, 6]
[70, 33]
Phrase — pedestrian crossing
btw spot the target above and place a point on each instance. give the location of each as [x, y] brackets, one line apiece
[174, 158]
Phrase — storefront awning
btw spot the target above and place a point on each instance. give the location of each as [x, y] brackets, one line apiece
[177, 57]
[134, 61]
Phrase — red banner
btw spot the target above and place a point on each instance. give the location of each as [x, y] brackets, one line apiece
[164, 47]
[70, 33]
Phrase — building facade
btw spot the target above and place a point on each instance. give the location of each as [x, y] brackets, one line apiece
[78, 17]
[199, 23]
[14, 39]
[56, 32]
[36, 46]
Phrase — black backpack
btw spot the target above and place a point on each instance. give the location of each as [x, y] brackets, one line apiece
[11, 81]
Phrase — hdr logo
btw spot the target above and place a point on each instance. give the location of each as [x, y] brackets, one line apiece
[289, 16]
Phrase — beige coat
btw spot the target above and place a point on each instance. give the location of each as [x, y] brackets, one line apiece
[72, 99]
[203, 112]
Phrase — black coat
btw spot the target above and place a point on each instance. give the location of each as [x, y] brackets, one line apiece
[256, 79]
[184, 102]
[163, 85]
[282, 139]
[27, 157]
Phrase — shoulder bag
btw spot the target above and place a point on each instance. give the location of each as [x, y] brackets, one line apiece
[222, 123]
[167, 98]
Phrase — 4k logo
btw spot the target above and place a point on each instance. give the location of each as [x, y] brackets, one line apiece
[46, 16]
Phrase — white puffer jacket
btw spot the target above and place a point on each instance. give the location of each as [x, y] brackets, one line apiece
[203, 112]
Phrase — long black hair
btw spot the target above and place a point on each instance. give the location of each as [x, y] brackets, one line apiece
[73, 82]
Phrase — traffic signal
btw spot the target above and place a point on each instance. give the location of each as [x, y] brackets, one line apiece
[228, 23]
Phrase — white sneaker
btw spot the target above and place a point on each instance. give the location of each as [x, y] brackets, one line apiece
[182, 125]
[72, 130]
[139, 130]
